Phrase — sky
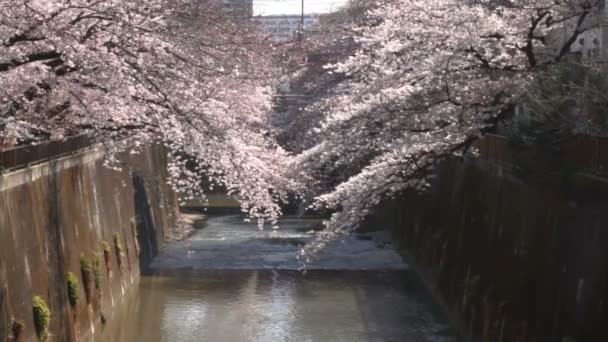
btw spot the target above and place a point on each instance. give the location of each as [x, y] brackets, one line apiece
[272, 7]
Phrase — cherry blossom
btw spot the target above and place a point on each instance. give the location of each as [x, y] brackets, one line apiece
[427, 78]
[177, 72]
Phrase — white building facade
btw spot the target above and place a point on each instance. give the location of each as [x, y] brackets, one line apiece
[284, 27]
[239, 8]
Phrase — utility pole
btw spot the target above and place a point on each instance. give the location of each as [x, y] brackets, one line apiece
[302, 22]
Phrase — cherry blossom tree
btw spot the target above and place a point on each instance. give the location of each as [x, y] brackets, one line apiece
[330, 41]
[428, 78]
[179, 72]
[419, 81]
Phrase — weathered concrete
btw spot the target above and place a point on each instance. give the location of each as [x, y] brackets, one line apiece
[53, 214]
[512, 261]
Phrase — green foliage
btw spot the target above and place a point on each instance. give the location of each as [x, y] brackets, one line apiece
[118, 248]
[107, 255]
[568, 98]
[106, 247]
[85, 264]
[42, 317]
[73, 289]
[134, 226]
[135, 231]
[87, 278]
[97, 275]
[117, 242]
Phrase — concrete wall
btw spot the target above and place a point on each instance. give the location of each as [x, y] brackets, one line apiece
[53, 214]
[510, 260]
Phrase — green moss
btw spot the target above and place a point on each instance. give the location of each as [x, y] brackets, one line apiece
[135, 231]
[118, 248]
[73, 289]
[106, 247]
[85, 264]
[42, 317]
[117, 242]
[87, 276]
[107, 255]
[97, 275]
[134, 226]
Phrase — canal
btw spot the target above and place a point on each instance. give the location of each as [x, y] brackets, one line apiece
[231, 282]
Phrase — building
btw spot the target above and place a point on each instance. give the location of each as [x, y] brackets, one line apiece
[584, 104]
[592, 45]
[284, 27]
[239, 8]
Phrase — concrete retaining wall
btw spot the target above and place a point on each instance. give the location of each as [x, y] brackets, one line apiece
[510, 260]
[51, 215]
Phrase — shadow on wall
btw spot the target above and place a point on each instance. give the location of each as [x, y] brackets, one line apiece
[144, 226]
[4, 324]
[511, 260]
[65, 324]
[56, 214]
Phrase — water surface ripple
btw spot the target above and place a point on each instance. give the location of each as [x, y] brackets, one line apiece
[230, 282]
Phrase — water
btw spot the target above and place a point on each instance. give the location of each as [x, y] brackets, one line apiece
[229, 243]
[230, 282]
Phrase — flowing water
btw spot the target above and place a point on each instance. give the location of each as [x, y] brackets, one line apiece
[230, 282]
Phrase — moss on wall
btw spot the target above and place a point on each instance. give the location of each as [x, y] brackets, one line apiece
[118, 249]
[97, 274]
[73, 289]
[107, 256]
[86, 269]
[52, 214]
[42, 317]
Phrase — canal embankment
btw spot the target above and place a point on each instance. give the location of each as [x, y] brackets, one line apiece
[512, 259]
[72, 233]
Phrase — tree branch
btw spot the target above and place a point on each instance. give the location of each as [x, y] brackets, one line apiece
[34, 57]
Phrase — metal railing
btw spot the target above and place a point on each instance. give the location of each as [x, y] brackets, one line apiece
[24, 156]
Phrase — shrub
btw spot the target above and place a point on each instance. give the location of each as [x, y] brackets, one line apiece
[106, 247]
[86, 270]
[135, 234]
[107, 256]
[42, 317]
[134, 226]
[73, 289]
[118, 248]
[96, 259]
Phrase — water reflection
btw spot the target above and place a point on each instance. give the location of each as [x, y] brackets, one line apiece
[269, 306]
[232, 283]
